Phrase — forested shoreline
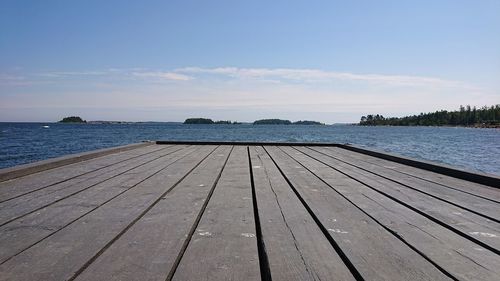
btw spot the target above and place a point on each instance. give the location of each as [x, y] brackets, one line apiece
[465, 116]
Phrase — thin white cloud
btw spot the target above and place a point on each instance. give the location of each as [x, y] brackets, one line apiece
[62, 74]
[13, 80]
[164, 75]
[275, 75]
[10, 77]
[117, 72]
[317, 75]
[242, 91]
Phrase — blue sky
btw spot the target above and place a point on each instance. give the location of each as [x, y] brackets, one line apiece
[331, 61]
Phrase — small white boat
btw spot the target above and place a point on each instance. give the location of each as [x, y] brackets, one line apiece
[46, 127]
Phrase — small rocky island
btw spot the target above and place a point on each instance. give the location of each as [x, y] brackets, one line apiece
[72, 119]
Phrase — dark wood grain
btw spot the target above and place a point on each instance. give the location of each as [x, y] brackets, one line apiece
[445, 181]
[465, 200]
[374, 251]
[63, 254]
[149, 249]
[458, 256]
[224, 246]
[295, 245]
[23, 233]
[33, 201]
[477, 177]
[31, 168]
[476, 228]
[244, 211]
[76, 172]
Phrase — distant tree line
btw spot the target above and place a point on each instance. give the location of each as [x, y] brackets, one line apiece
[258, 122]
[465, 116]
[307, 122]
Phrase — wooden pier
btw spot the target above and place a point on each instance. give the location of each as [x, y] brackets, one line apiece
[247, 211]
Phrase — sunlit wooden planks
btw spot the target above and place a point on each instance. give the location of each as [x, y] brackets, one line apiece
[250, 211]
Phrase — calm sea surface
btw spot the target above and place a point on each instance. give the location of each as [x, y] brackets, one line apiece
[472, 149]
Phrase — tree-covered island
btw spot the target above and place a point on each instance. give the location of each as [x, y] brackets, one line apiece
[307, 122]
[465, 116]
[208, 121]
[272, 122]
[72, 119]
[198, 121]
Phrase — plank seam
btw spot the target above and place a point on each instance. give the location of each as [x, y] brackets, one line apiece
[95, 208]
[100, 252]
[295, 242]
[394, 233]
[74, 193]
[330, 239]
[197, 221]
[484, 245]
[421, 178]
[265, 270]
[450, 187]
[86, 173]
[485, 179]
[10, 173]
[410, 187]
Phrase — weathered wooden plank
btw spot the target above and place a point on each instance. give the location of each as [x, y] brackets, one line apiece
[320, 221]
[21, 234]
[28, 203]
[471, 226]
[456, 184]
[456, 255]
[63, 254]
[224, 246]
[374, 252]
[474, 204]
[149, 249]
[23, 170]
[296, 247]
[73, 172]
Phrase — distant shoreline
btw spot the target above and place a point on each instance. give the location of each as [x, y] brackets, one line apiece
[208, 121]
[475, 126]
[244, 124]
[466, 116]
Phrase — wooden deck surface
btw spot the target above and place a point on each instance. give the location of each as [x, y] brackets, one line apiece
[244, 212]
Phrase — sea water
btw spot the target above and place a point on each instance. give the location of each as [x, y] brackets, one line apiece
[467, 148]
